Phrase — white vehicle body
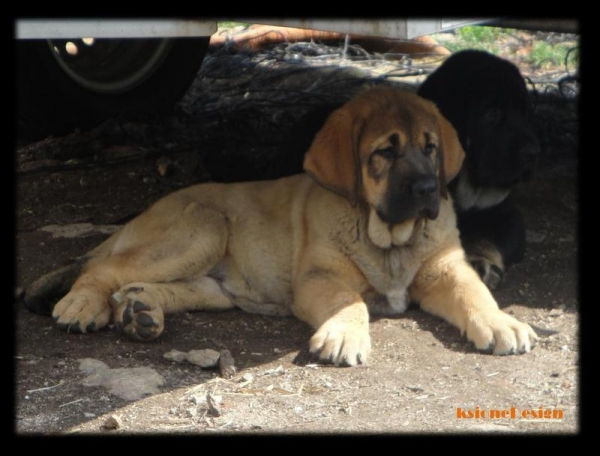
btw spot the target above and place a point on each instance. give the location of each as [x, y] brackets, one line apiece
[162, 28]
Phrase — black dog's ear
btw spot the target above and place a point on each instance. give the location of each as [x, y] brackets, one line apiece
[332, 159]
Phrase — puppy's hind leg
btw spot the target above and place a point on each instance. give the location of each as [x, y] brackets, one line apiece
[172, 243]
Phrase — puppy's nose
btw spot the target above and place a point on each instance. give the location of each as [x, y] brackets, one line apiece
[424, 187]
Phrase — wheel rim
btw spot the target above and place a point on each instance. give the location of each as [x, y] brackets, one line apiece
[109, 66]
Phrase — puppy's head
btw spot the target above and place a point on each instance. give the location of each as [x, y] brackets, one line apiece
[389, 148]
[486, 100]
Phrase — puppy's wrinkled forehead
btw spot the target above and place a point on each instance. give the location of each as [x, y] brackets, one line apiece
[385, 112]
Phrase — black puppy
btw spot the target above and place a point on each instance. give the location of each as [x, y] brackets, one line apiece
[486, 100]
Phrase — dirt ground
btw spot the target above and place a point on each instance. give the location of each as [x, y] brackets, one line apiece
[423, 377]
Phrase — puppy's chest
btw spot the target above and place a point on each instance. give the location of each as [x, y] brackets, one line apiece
[390, 272]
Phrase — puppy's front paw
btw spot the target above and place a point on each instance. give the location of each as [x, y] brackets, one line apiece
[82, 311]
[500, 333]
[135, 314]
[342, 343]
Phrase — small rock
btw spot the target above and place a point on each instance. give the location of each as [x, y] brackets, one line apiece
[555, 313]
[207, 358]
[91, 366]
[213, 403]
[113, 422]
[226, 364]
[18, 292]
[164, 166]
[279, 370]
[535, 236]
[566, 238]
[74, 161]
[39, 164]
[204, 358]
[176, 355]
[89, 415]
[415, 389]
[127, 383]
[198, 399]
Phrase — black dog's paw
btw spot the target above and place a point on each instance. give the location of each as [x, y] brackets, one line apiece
[487, 260]
[135, 316]
[491, 274]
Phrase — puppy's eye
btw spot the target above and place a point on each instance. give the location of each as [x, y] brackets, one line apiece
[429, 149]
[389, 153]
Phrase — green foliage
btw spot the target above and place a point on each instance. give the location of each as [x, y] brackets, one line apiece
[481, 34]
[544, 54]
[477, 37]
[504, 42]
[230, 24]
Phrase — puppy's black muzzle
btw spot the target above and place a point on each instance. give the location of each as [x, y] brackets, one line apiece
[416, 196]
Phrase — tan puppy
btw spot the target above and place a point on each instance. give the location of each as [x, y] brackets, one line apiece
[365, 226]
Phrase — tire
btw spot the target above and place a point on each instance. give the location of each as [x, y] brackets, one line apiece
[59, 92]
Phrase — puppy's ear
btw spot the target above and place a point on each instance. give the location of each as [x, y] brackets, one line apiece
[332, 159]
[452, 155]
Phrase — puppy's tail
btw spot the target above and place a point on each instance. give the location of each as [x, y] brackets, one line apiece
[41, 295]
